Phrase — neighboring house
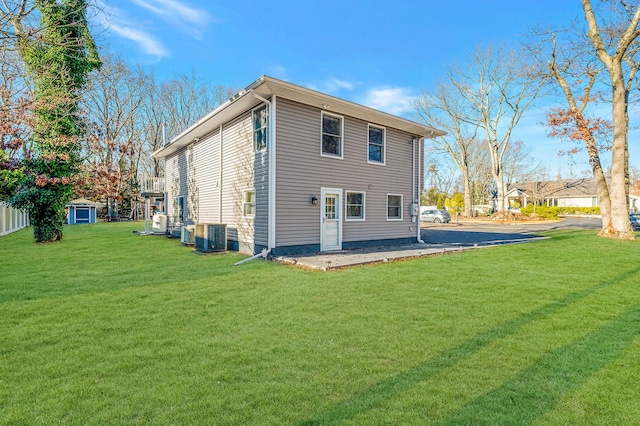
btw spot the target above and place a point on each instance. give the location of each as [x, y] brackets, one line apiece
[634, 196]
[293, 170]
[82, 211]
[560, 193]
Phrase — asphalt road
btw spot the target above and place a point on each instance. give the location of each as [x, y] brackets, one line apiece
[482, 233]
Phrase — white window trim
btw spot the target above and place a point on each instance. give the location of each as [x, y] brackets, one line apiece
[384, 144]
[364, 203]
[322, 153]
[244, 202]
[401, 208]
[253, 130]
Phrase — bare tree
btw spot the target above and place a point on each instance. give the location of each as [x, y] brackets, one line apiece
[444, 108]
[482, 183]
[128, 113]
[16, 97]
[619, 58]
[112, 149]
[13, 13]
[171, 107]
[499, 86]
[580, 59]
[519, 165]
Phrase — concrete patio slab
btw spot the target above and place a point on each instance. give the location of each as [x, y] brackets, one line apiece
[345, 258]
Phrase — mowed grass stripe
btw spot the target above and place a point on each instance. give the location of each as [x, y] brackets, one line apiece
[264, 343]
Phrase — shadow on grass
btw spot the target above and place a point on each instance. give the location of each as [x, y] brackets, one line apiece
[389, 388]
[535, 391]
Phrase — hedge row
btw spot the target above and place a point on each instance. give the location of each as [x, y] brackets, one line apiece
[554, 212]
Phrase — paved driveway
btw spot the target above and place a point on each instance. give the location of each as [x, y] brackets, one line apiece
[479, 233]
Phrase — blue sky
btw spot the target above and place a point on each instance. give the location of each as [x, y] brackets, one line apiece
[372, 52]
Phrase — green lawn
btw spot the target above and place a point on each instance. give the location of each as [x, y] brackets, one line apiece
[109, 327]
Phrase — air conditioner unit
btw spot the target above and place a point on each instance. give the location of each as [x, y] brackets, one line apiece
[188, 235]
[210, 237]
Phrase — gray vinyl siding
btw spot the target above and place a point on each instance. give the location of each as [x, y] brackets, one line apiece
[237, 176]
[302, 171]
[207, 154]
[220, 195]
[176, 186]
[243, 170]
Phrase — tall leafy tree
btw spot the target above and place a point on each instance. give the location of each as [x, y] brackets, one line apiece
[58, 57]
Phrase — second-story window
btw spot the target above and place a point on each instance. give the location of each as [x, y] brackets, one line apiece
[376, 144]
[260, 128]
[332, 135]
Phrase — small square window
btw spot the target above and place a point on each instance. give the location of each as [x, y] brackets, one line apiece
[394, 207]
[249, 204]
[331, 135]
[355, 205]
[260, 128]
[376, 144]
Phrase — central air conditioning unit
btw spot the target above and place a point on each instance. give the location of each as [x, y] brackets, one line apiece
[210, 237]
[188, 235]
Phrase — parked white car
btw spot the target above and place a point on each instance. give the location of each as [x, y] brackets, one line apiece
[435, 216]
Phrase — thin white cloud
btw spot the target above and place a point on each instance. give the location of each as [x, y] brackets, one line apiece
[334, 84]
[148, 44]
[394, 100]
[116, 21]
[331, 85]
[183, 16]
[278, 71]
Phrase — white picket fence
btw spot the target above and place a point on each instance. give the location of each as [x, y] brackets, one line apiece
[12, 220]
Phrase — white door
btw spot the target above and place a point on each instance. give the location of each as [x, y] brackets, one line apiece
[331, 223]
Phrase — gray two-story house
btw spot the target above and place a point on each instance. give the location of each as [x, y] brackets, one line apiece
[293, 170]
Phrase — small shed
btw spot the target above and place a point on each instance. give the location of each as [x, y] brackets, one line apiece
[82, 211]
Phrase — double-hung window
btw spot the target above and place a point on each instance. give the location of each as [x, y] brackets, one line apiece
[376, 144]
[355, 205]
[249, 204]
[394, 207]
[332, 129]
[260, 128]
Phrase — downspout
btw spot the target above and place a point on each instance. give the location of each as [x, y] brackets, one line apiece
[220, 178]
[416, 200]
[271, 151]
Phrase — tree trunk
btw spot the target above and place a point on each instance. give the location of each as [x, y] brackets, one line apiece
[466, 182]
[620, 226]
[498, 178]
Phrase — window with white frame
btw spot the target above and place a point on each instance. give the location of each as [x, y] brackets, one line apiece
[179, 209]
[332, 127]
[394, 207]
[376, 144]
[260, 128]
[355, 205]
[249, 204]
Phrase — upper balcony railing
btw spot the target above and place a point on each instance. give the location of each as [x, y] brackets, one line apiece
[153, 185]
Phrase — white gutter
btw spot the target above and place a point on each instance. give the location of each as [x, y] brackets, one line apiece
[271, 152]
